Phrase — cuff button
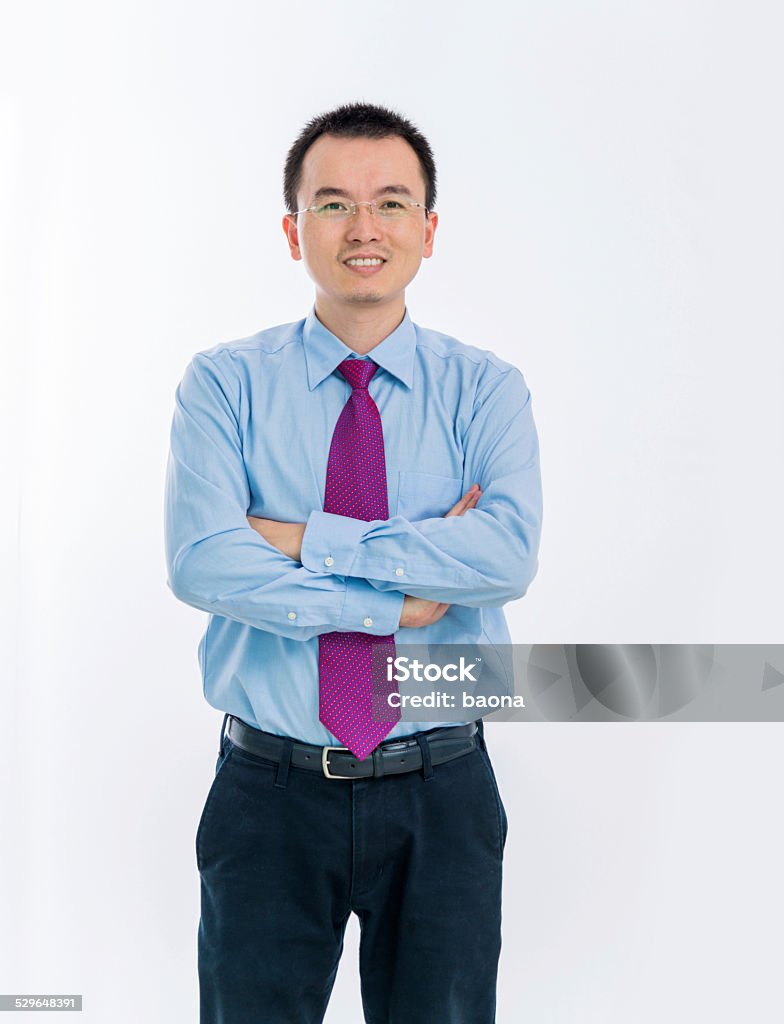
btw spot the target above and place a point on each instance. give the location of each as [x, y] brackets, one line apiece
[329, 560]
[368, 621]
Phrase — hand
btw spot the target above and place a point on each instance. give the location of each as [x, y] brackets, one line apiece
[469, 500]
[286, 537]
[417, 611]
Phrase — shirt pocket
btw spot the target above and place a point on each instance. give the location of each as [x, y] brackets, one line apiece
[426, 495]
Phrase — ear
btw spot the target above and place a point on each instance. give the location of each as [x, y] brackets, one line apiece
[291, 232]
[430, 229]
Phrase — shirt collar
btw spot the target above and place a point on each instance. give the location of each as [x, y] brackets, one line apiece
[324, 350]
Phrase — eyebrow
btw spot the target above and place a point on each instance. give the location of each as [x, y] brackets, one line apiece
[399, 189]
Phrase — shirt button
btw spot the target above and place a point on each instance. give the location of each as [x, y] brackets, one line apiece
[329, 560]
[292, 615]
[398, 571]
[368, 621]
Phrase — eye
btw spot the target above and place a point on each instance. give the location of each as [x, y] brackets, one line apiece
[393, 204]
[333, 207]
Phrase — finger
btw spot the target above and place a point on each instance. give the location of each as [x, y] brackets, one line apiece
[462, 504]
[473, 493]
[470, 501]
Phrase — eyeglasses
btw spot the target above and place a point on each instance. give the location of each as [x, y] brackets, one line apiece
[391, 208]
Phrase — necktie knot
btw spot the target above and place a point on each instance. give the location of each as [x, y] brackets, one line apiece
[358, 371]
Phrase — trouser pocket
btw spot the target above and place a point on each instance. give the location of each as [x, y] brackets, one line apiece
[223, 759]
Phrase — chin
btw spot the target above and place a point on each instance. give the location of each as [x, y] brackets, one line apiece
[359, 297]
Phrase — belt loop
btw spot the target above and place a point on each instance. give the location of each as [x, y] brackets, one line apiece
[480, 730]
[281, 778]
[223, 733]
[427, 763]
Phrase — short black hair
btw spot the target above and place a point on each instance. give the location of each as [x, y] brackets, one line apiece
[357, 120]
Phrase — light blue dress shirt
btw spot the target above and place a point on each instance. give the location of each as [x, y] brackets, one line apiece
[251, 432]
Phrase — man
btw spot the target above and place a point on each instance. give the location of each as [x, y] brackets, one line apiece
[338, 483]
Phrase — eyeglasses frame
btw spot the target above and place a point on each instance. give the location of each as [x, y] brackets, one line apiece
[353, 207]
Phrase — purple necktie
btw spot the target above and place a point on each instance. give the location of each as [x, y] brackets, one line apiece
[356, 486]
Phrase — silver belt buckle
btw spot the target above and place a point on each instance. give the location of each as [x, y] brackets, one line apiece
[325, 751]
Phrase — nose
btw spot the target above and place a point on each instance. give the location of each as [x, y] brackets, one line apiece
[364, 226]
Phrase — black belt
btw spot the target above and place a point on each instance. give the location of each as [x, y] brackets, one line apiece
[390, 758]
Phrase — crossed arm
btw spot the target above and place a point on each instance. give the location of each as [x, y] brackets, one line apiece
[482, 553]
[417, 611]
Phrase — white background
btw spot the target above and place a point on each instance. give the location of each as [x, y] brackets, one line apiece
[610, 221]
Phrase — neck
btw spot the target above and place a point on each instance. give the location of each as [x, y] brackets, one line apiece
[363, 327]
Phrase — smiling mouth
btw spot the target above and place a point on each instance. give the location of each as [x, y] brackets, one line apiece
[364, 262]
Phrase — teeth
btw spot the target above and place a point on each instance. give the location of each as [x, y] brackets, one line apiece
[364, 263]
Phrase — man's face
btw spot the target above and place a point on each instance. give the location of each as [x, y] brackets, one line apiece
[361, 168]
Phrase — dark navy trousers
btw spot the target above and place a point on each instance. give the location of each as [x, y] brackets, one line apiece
[286, 855]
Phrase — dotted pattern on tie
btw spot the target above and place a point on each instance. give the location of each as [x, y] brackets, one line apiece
[352, 682]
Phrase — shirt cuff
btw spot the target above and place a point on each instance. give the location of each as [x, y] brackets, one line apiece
[367, 610]
[330, 543]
